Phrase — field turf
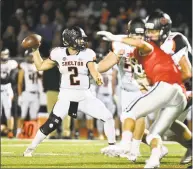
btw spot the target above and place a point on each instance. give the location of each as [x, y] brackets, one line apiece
[77, 154]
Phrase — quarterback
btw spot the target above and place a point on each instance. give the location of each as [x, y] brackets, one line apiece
[75, 61]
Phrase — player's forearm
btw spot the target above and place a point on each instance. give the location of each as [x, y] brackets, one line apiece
[19, 89]
[114, 78]
[108, 62]
[37, 59]
[144, 47]
[93, 71]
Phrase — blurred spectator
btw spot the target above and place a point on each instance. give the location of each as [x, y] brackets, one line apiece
[140, 10]
[31, 8]
[24, 32]
[105, 13]
[48, 8]
[95, 7]
[57, 40]
[102, 49]
[59, 20]
[30, 21]
[113, 25]
[102, 25]
[122, 14]
[17, 19]
[71, 5]
[84, 12]
[46, 30]
[10, 41]
[72, 20]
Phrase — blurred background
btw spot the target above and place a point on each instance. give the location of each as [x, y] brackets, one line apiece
[19, 18]
[48, 18]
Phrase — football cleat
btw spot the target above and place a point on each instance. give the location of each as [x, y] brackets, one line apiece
[133, 155]
[124, 149]
[28, 152]
[164, 152]
[153, 162]
[187, 157]
[111, 151]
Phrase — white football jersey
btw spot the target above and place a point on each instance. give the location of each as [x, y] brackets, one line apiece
[73, 68]
[30, 77]
[6, 70]
[167, 47]
[125, 68]
[106, 88]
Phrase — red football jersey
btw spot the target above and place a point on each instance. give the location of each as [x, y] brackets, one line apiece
[159, 66]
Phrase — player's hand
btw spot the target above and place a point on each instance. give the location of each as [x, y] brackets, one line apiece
[143, 83]
[108, 36]
[20, 100]
[99, 79]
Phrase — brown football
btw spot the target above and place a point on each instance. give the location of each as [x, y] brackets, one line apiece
[31, 41]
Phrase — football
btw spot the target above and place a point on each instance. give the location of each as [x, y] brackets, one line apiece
[31, 41]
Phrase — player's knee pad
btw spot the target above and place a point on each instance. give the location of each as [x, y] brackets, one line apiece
[126, 115]
[150, 137]
[51, 124]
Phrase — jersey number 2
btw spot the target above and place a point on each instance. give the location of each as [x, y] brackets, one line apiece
[73, 75]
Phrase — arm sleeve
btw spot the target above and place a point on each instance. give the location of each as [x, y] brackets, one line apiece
[54, 54]
[91, 56]
[180, 43]
[181, 49]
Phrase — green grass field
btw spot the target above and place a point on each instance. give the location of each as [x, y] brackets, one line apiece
[77, 154]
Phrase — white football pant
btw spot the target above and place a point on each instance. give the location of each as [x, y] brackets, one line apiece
[163, 96]
[30, 101]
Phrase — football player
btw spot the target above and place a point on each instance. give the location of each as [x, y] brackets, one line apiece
[158, 29]
[75, 62]
[29, 98]
[130, 90]
[171, 103]
[6, 89]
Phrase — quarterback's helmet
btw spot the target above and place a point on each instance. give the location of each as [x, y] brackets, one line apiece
[75, 37]
[161, 21]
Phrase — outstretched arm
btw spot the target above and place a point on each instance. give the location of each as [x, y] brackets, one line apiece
[40, 63]
[144, 47]
[108, 62]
